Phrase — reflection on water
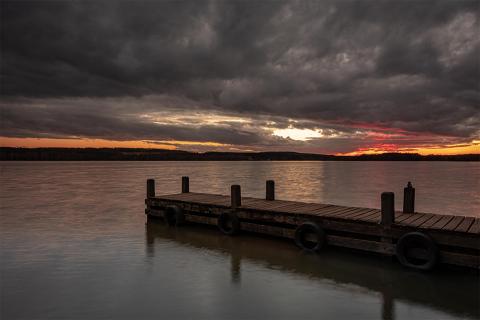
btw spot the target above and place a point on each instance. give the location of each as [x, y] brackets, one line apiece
[399, 292]
[73, 245]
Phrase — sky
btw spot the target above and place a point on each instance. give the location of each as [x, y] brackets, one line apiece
[331, 77]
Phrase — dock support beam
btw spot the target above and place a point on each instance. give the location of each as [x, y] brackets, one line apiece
[388, 208]
[270, 190]
[409, 199]
[150, 188]
[236, 196]
[185, 185]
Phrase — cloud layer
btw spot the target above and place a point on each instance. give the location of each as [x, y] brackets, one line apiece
[362, 73]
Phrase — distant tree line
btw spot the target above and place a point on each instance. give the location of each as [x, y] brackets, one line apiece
[131, 154]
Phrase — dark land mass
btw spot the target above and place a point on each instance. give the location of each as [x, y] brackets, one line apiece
[130, 154]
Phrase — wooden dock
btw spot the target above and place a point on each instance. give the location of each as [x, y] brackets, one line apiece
[417, 240]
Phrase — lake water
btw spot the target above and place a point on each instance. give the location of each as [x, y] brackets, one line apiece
[75, 245]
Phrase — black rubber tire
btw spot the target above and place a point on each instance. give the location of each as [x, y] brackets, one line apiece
[174, 216]
[417, 240]
[303, 230]
[229, 223]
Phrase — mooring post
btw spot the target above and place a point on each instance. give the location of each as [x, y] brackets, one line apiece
[185, 185]
[270, 190]
[388, 208]
[150, 188]
[387, 219]
[236, 196]
[409, 198]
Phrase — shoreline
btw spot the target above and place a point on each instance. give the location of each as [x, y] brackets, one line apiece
[129, 154]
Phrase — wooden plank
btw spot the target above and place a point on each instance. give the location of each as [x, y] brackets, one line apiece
[318, 206]
[189, 195]
[347, 213]
[403, 216]
[359, 212]
[169, 197]
[375, 218]
[271, 205]
[360, 244]
[202, 196]
[460, 259]
[465, 225]
[290, 207]
[428, 222]
[440, 224]
[323, 210]
[205, 197]
[318, 211]
[453, 223]
[475, 227]
[329, 211]
[306, 208]
[251, 202]
[366, 215]
[283, 208]
[424, 218]
[337, 211]
[412, 219]
[219, 200]
[438, 219]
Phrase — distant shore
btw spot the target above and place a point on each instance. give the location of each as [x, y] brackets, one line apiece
[128, 154]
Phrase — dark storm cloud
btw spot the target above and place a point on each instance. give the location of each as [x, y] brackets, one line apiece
[52, 121]
[409, 65]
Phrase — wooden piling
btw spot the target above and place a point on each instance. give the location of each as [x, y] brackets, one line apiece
[236, 196]
[185, 185]
[150, 188]
[388, 208]
[270, 190]
[409, 199]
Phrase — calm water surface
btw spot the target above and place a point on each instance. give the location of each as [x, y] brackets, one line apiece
[75, 245]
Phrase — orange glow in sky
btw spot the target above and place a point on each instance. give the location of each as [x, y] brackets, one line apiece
[100, 143]
[78, 143]
[473, 147]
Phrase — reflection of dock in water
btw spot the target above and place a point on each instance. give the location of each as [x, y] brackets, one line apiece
[452, 293]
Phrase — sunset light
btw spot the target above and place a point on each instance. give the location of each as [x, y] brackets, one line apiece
[297, 134]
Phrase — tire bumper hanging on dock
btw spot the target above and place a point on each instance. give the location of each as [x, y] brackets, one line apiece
[229, 223]
[417, 250]
[305, 242]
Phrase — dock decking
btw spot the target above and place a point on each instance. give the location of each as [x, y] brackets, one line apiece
[368, 229]
[427, 221]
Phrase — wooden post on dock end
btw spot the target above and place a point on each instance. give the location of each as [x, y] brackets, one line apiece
[387, 219]
[270, 190]
[150, 188]
[409, 199]
[388, 208]
[185, 185]
[236, 196]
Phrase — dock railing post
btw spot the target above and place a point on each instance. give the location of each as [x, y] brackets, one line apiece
[150, 188]
[270, 190]
[409, 198]
[185, 185]
[236, 196]
[388, 208]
